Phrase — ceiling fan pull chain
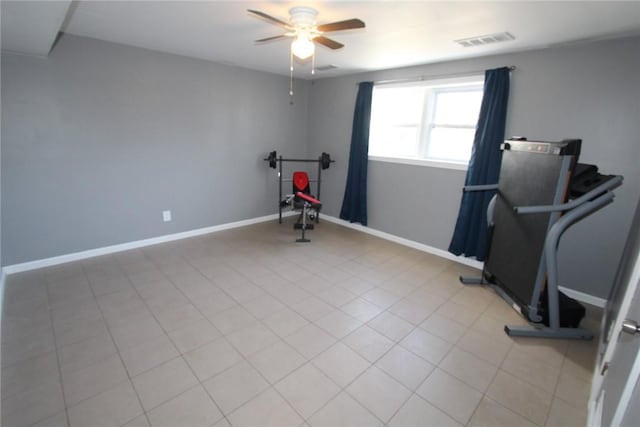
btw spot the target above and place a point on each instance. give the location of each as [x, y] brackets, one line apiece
[291, 78]
[306, 33]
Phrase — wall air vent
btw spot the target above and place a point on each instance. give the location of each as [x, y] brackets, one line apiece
[326, 67]
[485, 40]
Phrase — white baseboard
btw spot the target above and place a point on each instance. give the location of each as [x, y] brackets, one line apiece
[405, 242]
[47, 262]
[76, 256]
[580, 296]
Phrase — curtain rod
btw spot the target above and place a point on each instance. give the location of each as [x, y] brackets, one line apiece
[434, 77]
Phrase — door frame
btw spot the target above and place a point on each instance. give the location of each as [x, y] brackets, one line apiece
[609, 339]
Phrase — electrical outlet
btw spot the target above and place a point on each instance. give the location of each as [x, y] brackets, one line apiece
[166, 216]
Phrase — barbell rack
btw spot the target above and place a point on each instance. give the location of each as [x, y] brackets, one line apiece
[324, 161]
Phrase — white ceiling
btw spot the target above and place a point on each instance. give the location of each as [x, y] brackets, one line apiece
[31, 27]
[397, 33]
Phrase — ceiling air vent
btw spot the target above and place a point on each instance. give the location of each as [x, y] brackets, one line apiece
[484, 40]
[326, 67]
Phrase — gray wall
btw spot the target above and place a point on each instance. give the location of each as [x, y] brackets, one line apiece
[588, 91]
[99, 138]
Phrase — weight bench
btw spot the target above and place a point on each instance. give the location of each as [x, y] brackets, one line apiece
[302, 199]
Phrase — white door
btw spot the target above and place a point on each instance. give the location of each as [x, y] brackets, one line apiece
[614, 394]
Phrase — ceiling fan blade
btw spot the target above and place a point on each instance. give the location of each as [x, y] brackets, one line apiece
[349, 24]
[271, 19]
[266, 39]
[325, 41]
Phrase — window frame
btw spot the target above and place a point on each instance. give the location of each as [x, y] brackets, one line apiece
[432, 88]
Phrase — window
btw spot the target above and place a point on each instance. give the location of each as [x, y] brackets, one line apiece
[428, 122]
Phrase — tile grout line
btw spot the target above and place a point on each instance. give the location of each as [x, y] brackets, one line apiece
[282, 339]
[244, 358]
[180, 354]
[124, 366]
[118, 350]
[273, 386]
[55, 346]
[242, 249]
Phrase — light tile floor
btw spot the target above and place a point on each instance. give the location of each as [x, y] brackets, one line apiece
[248, 328]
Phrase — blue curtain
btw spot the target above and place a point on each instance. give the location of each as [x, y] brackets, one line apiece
[354, 203]
[470, 234]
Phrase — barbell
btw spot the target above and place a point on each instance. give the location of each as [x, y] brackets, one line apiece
[324, 160]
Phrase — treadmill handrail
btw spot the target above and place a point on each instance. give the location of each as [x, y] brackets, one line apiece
[550, 250]
[603, 188]
[484, 187]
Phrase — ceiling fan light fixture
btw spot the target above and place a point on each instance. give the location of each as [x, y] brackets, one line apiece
[304, 17]
[302, 46]
[302, 27]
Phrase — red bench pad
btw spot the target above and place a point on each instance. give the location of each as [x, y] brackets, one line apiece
[309, 199]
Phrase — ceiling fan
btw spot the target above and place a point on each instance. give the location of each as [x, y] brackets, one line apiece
[304, 31]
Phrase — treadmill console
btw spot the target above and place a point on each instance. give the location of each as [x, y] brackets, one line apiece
[557, 148]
